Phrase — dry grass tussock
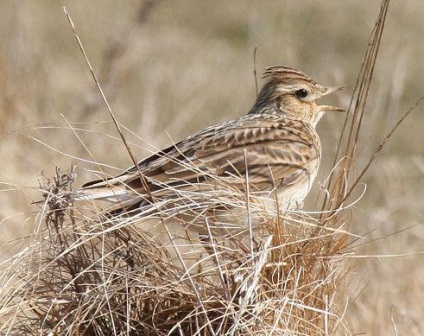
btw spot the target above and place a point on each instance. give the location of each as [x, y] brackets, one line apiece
[97, 276]
[83, 273]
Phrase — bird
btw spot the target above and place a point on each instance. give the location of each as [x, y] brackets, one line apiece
[272, 151]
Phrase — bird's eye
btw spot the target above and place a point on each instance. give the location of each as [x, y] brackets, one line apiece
[301, 93]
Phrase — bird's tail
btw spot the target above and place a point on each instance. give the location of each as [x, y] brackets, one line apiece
[111, 201]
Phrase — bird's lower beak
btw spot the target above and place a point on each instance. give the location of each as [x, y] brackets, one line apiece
[327, 108]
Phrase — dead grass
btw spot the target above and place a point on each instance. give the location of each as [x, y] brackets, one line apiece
[96, 277]
[294, 282]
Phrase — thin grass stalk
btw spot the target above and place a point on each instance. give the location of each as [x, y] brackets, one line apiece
[339, 178]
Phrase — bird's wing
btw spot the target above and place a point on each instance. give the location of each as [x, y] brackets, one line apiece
[273, 149]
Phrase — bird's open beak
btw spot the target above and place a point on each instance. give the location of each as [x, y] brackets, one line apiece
[326, 91]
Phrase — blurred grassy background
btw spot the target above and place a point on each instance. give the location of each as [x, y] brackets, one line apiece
[169, 68]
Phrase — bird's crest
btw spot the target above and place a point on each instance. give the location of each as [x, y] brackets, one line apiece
[283, 73]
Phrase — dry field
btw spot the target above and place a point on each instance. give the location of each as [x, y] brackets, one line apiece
[173, 67]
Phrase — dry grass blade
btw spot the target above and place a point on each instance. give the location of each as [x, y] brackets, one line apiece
[338, 182]
[380, 147]
[112, 115]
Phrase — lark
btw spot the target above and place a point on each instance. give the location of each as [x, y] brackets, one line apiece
[272, 151]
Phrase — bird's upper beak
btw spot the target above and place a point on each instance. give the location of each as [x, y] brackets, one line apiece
[327, 90]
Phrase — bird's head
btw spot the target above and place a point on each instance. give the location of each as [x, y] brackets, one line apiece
[294, 93]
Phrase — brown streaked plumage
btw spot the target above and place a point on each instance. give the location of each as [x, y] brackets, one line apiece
[275, 143]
